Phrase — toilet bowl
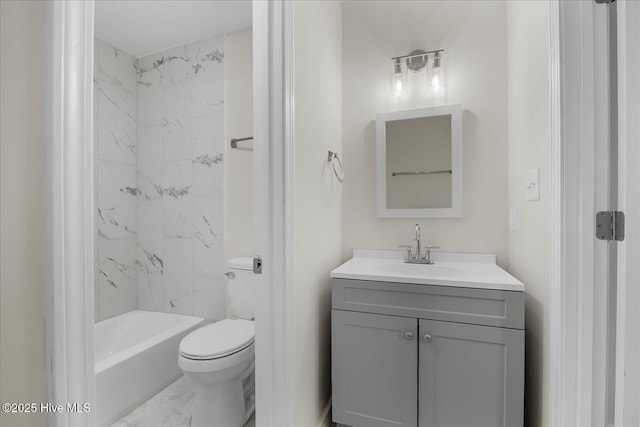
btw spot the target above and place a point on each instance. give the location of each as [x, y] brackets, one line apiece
[219, 358]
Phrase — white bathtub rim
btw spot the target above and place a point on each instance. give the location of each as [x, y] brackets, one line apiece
[189, 322]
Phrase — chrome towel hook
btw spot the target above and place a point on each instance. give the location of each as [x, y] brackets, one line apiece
[332, 159]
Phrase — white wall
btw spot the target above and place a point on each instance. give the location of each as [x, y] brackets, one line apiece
[528, 35]
[239, 224]
[22, 291]
[474, 36]
[318, 198]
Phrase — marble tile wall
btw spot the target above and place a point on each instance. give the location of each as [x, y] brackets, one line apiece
[158, 136]
[180, 179]
[115, 149]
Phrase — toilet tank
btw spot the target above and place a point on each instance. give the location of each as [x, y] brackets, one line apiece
[241, 287]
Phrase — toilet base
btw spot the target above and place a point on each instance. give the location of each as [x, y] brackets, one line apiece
[226, 403]
[250, 410]
[219, 405]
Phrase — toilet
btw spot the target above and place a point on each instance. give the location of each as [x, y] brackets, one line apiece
[219, 357]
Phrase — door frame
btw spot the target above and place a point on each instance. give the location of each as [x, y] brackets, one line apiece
[579, 125]
[627, 381]
[274, 184]
[70, 209]
[69, 225]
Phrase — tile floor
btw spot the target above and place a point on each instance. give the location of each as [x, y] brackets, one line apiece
[171, 407]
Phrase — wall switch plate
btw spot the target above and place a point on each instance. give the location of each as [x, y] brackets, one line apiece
[533, 184]
[513, 218]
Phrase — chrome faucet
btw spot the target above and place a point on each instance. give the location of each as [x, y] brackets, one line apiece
[418, 258]
[417, 240]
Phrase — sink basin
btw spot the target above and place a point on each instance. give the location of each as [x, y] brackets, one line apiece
[459, 270]
[406, 269]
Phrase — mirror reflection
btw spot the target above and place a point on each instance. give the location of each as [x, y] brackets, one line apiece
[418, 166]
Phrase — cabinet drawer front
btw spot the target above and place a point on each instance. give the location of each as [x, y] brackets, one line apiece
[470, 375]
[374, 378]
[465, 305]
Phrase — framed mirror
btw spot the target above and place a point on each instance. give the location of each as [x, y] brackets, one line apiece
[419, 163]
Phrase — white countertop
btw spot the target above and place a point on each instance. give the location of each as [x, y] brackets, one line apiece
[449, 269]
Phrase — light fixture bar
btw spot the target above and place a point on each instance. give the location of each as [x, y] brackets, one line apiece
[418, 55]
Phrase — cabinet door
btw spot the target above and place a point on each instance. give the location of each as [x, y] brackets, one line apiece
[374, 369]
[470, 375]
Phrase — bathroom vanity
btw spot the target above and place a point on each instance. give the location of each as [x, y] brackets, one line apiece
[426, 345]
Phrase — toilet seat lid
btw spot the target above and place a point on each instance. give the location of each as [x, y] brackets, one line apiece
[218, 339]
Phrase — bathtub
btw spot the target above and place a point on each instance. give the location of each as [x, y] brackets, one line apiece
[136, 355]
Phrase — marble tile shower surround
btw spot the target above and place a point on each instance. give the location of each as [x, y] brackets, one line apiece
[173, 211]
[115, 148]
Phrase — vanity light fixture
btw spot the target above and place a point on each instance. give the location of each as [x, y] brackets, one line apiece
[417, 61]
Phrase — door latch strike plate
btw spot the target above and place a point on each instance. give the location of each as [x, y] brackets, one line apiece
[257, 265]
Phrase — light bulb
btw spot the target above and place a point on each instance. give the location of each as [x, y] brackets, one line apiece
[398, 78]
[436, 80]
[436, 74]
[398, 84]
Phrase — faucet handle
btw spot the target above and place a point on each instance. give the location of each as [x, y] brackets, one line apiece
[408, 248]
[427, 255]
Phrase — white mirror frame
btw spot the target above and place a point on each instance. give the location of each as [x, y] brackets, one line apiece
[455, 211]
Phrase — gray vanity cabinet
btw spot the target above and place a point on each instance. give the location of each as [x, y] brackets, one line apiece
[426, 356]
[469, 375]
[374, 378]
